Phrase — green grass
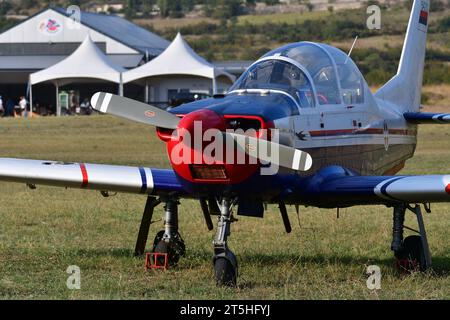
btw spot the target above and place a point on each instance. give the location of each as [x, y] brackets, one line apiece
[44, 231]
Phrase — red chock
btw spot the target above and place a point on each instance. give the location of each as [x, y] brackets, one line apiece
[152, 261]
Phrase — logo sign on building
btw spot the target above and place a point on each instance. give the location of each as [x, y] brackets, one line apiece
[50, 26]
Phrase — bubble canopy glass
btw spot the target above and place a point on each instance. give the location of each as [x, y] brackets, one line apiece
[335, 77]
[278, 75]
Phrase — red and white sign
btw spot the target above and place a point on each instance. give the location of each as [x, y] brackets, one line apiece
[50, 26]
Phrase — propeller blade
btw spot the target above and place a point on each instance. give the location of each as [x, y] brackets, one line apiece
[272, 152]
[133, 110]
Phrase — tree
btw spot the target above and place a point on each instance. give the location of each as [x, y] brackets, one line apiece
[436, 6]
[310, 6]
[164, 7]
[223, 9]
[172, 8]
[5, 6]
[130, 9]
[147, 7]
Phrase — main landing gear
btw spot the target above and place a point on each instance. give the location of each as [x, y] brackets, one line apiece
[168, 246]
[168, 243]
[412, 253]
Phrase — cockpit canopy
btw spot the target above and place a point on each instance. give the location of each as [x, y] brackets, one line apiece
[309, 72]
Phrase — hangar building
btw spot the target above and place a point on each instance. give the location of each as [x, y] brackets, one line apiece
[50, 36]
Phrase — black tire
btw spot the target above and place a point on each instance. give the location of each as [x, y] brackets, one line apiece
[174, 249]
[412, 257]
[225, 273]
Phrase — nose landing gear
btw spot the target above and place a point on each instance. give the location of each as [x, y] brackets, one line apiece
[225, 262]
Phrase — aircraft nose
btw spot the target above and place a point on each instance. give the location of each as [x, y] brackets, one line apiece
[200, 121]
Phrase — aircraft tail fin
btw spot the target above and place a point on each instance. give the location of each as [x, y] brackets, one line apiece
[405, 88]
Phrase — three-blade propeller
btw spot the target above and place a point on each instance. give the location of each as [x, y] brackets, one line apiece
[278, 154]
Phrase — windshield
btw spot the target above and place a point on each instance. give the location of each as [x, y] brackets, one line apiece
[278, 75]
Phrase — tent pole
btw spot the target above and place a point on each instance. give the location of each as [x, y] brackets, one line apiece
[121, 86]
[58, 106]
[146, 91]
[214, 83]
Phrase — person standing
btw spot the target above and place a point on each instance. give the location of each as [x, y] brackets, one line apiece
[2, 109]
[23, 106]
[9, 109]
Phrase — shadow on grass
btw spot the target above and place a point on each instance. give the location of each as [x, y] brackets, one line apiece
[95, 253]
[197, 258]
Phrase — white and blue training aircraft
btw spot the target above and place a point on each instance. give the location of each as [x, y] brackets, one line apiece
[339, 146]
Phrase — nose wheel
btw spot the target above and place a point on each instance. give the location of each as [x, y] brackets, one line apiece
[225, 270]
[224, 261]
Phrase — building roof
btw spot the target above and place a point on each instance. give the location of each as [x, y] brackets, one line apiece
[28, 62]
[123, 31]
[178, 59]
[88, 61]
[235, 67]
[239, 65]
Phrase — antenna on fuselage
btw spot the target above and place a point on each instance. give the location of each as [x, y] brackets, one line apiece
[351, 50]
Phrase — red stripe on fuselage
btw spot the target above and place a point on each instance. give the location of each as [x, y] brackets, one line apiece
[85, 175]
[447, 189]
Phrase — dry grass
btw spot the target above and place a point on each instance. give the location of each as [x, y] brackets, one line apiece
[161, 24]
[44, 231]
[383, 42]
[438, 98]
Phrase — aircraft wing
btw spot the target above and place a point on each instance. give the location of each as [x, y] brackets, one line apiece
[362, 190]
[91, 176]
[427, 118]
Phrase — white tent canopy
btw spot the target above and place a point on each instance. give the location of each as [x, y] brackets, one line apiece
[178, 59]
[87, 62]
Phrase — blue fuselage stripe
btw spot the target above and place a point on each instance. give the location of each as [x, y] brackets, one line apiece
[144, 180]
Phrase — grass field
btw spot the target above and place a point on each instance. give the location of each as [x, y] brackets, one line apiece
[44, 231]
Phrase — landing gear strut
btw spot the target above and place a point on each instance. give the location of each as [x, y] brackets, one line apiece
[169, 241]
[141, 242]
[412, 253]
[225, 262]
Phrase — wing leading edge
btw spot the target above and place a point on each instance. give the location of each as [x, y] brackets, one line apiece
[360, 190]
[126, 179]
